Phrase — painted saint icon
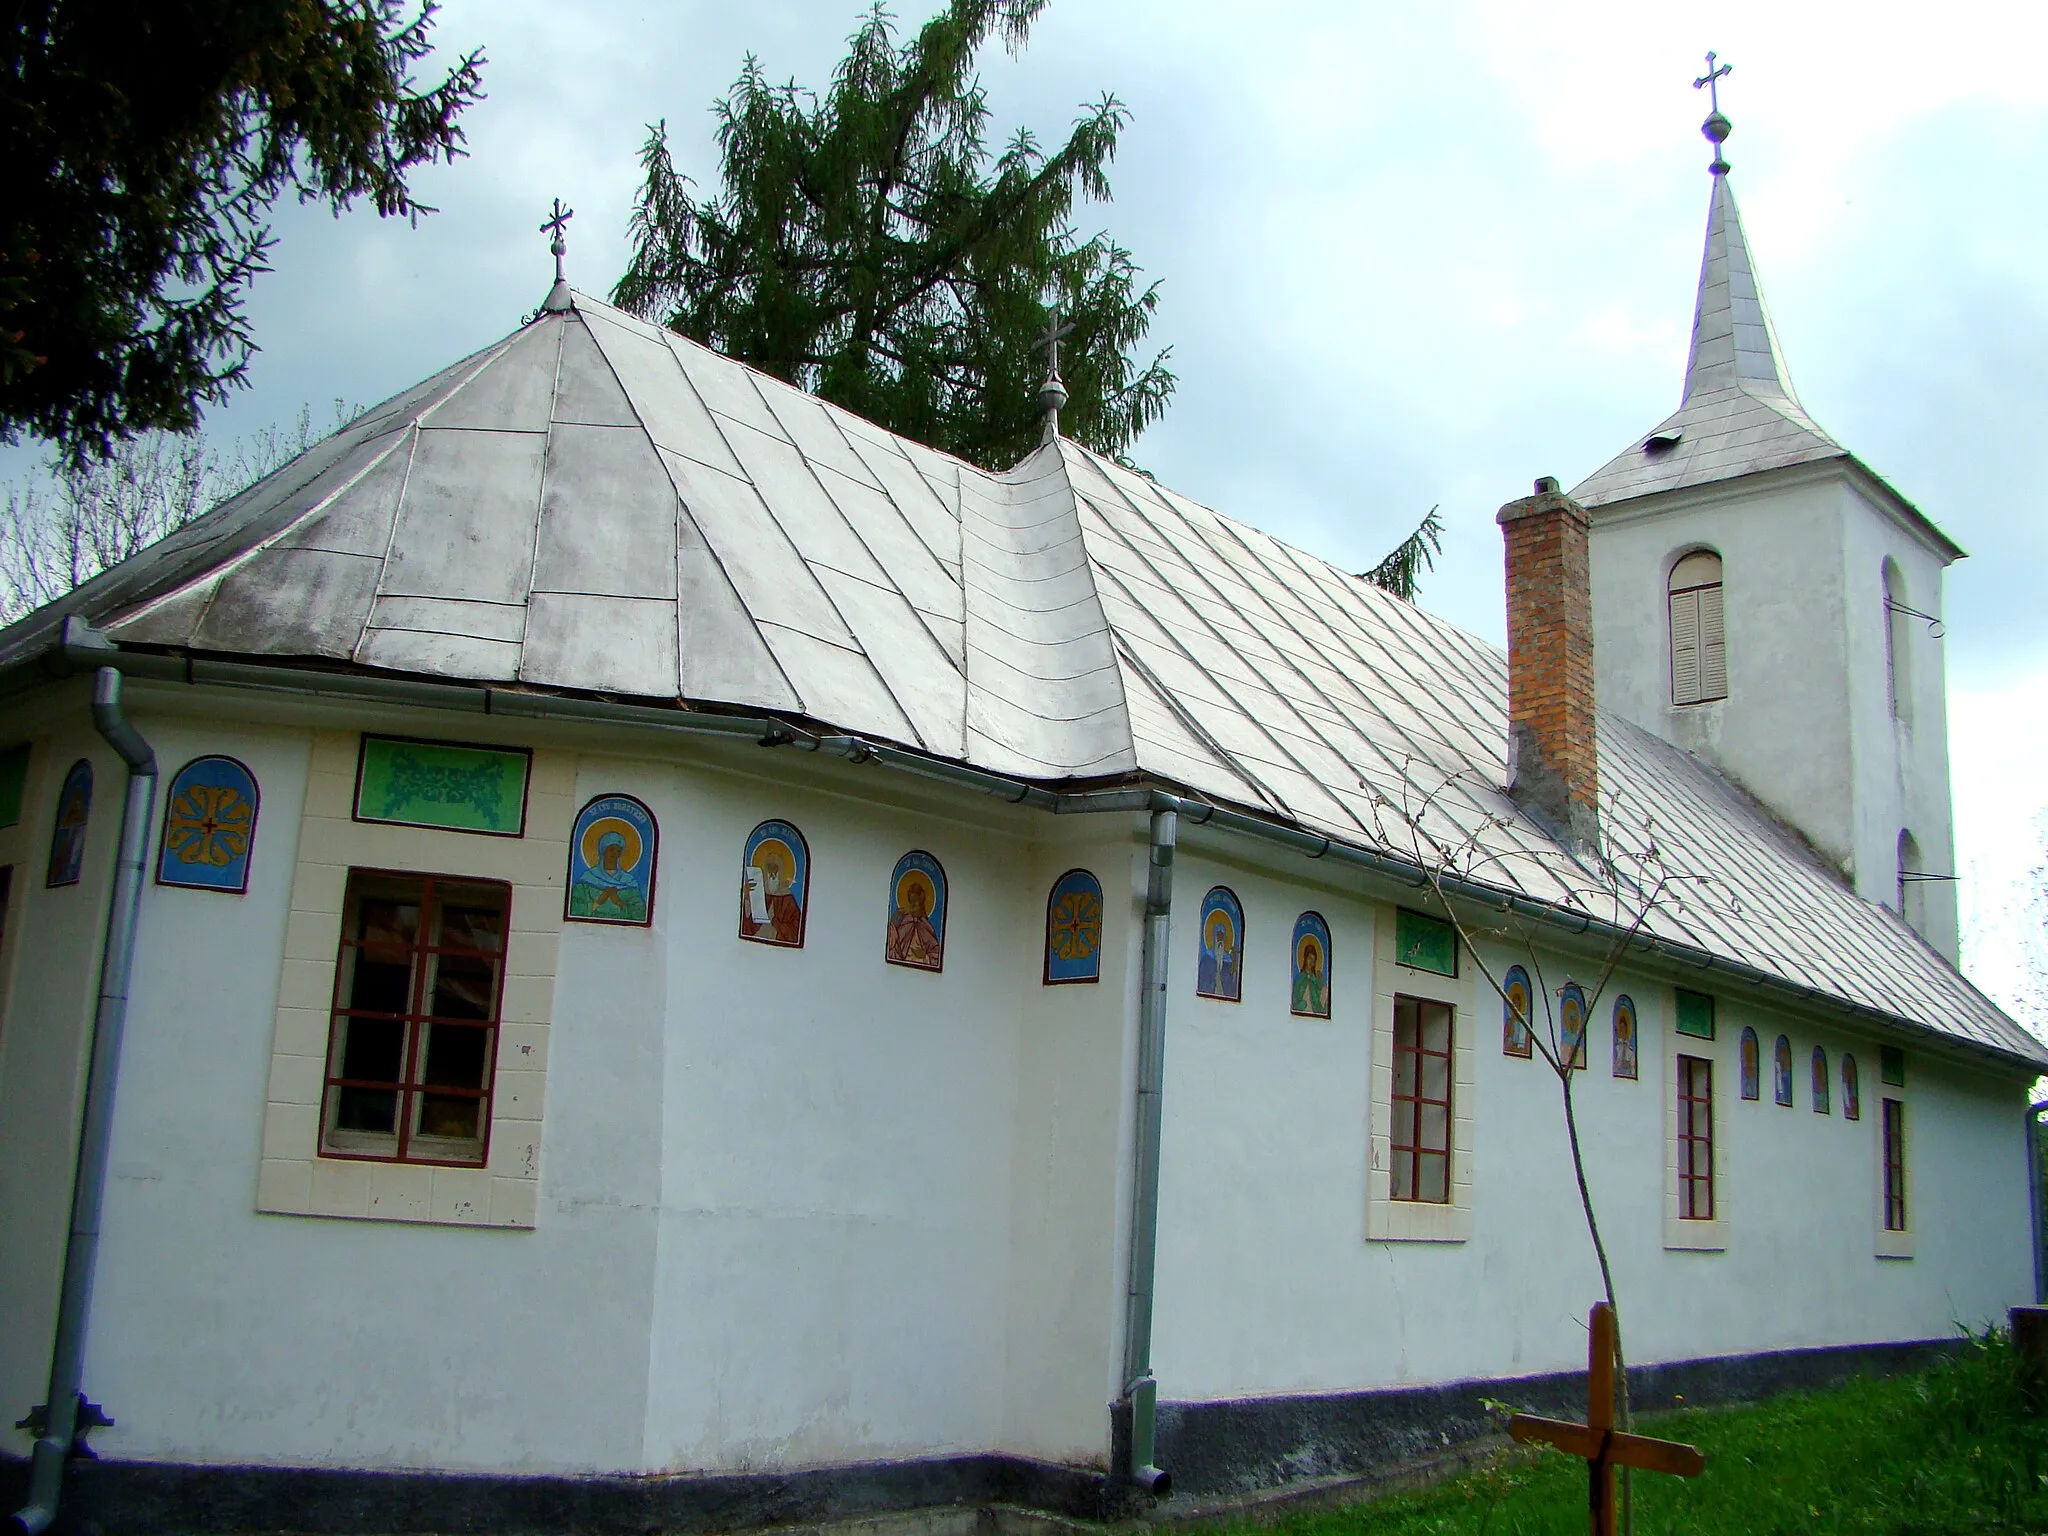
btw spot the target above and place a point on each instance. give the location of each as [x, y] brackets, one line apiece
[1073, 929]
[1516, 1001]
[1220, 972]
[917, 914]
[1852, 1090]
[209, 827]
[1571, 1025]
[67, 838]
[1624, 1036]
[1311, 991]
[775, 885]
[613, 852]
[1781, 1062]
[1752, 1065]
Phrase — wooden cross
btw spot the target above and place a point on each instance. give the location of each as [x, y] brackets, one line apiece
[1603, 1446]
[1711, 80]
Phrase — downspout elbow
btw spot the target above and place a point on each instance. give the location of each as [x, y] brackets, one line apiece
[108, 720]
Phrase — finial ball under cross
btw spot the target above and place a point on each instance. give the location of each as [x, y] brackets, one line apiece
[558, 297]
[1052, 394]
[554, 224]
[1716, 126]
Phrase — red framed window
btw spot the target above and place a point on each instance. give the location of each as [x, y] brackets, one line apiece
[1422, 1100]
[1894, 1165]
[1695, 1138]
[413, 1041]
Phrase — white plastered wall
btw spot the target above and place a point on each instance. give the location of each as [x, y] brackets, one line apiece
[1071, 1174]
[1807, 726]
[1269, 1283]
[795, 1208]
[49, 968]
[1902, 762]
[1785, 730]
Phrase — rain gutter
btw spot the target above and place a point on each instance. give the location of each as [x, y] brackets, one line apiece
[80, 647]
[65, 1413]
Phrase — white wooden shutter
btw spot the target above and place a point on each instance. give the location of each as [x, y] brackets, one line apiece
[1685, 647]
[1713, 646]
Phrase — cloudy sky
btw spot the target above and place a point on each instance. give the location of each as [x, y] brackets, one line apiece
[1412, 255]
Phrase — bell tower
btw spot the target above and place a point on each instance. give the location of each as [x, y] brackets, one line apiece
[1764, 600]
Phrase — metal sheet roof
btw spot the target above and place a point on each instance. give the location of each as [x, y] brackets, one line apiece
[599, 506]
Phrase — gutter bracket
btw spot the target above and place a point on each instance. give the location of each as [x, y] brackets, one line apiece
[89, 1416]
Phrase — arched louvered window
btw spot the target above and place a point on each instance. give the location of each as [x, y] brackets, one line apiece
[1699, 647]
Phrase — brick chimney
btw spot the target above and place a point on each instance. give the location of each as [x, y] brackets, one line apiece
[1553, 765]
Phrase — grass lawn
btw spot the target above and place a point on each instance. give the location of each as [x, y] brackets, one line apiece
[1951, 1451]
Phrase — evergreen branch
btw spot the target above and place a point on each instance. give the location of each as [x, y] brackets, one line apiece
[1401, 572]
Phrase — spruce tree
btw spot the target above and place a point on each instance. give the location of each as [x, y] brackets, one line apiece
[144, 145]
[870, 246]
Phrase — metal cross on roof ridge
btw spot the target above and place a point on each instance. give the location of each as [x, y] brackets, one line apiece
[1602, 1445]
[1711, 80]
[1050, 340]
[554, 224]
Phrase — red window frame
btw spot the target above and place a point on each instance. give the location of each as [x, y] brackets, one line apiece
[1695, 1138]
[1414, 1147]
[416, 1022]
[1894, 1122]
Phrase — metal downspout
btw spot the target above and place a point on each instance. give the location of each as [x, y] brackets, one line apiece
[2035, 1193]
[1140, 1390]
[95, 1132]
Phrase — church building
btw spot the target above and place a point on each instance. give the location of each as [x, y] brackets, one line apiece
[615, 947]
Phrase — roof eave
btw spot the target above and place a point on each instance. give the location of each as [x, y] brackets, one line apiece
[78, 648]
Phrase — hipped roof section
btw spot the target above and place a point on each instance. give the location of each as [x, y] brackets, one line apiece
[597, 506]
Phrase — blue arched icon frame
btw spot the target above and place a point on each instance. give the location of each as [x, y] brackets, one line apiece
[209, 833]
[1073, 929]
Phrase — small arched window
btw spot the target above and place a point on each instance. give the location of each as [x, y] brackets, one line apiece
[1898, 650]
[1912, 906]
[1852, 1089]
[1781, 1065]
[1820, 1081]
[1752, 1067]
[1699, 648]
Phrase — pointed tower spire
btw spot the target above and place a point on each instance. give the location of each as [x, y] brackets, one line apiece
[1733, 341]
[1738, 414]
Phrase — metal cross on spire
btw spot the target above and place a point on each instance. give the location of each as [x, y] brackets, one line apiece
[1716, 126]
[1052, 394]
[1711, 80]
[558, 296]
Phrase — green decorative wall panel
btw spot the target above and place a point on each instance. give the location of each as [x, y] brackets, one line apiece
[443, 784]
[1424, 942]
